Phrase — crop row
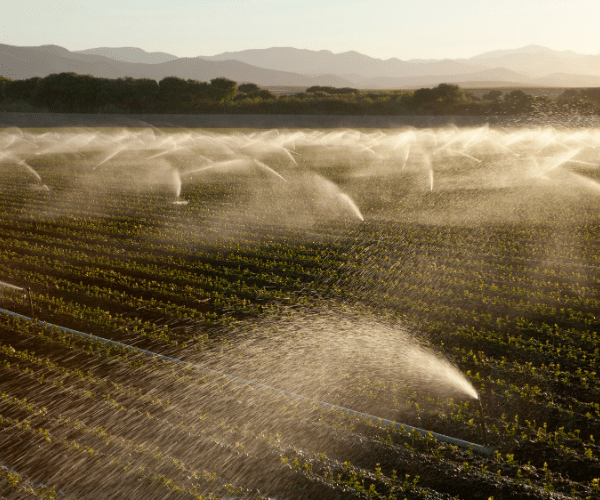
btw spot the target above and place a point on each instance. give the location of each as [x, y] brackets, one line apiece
[102, 446]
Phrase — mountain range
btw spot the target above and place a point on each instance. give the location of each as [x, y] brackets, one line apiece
[531, 66]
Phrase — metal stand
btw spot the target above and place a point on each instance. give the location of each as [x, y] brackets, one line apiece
[30, 301]
[482, 421]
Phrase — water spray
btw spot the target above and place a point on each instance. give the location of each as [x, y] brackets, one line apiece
[481, 449]
[67, 496]
[26, 291]
[533, 157]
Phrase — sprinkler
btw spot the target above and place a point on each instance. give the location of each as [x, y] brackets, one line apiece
[27, 294]
[482, 422]
[30, 301]
[178, 202]
[484, 450]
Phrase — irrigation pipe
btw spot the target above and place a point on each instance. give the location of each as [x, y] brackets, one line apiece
[4, 467]
[484, 450]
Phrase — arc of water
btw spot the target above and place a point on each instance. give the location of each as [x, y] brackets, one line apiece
[217, 165]
[462, 153]
[149, 134]
[162, 141]
[11, 287]
[174, 149]
[272, 147]
[370, 150]
[32, 171]
[423, 136]
[289, 152]
[176, 182]
[405, 141]
[445, 146]
[502, 146]
[10, 140]
[242, 162]
[475, 135]
[268, 169]
[331, 137]
[112, 154]
[515, 138]
[348, 201]
[289, 140]
[202, 169]
[220, 144]
[405, 156]
[404, 138]
[485, 450]
[82, 140]
[557, 161]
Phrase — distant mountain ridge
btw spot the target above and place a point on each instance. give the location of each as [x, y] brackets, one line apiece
[25, 62]
[529, 49]
[532, 61]
[287, 66]
[130, 54]
[323, 61]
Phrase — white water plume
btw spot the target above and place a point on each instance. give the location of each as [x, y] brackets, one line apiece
[234, 166]
[349, 169]
[462, 153]
[329, 356]
[111, 154]
[175, 182]
[31, 171]
[3, 284]
[327, 198]
[548, 164]
[353, 208]
[269, 170]
[260, 150]
[9, 160]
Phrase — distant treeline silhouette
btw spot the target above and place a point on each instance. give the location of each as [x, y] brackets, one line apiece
[74, 93]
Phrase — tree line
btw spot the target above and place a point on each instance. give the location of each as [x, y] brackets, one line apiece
[74, 93]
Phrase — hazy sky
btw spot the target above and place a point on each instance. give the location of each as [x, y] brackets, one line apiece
[381, 28]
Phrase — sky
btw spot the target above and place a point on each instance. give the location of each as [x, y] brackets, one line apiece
[415, 29]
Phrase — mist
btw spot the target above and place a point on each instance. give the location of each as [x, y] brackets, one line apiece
[300, 177]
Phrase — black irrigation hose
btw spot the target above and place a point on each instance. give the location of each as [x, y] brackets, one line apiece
[484, 450]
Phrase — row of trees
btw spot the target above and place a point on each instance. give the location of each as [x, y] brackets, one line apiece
[73, 93]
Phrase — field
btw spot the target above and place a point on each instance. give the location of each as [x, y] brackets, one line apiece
[446, 279]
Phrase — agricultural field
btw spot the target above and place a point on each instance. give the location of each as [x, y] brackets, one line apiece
[300, 314]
